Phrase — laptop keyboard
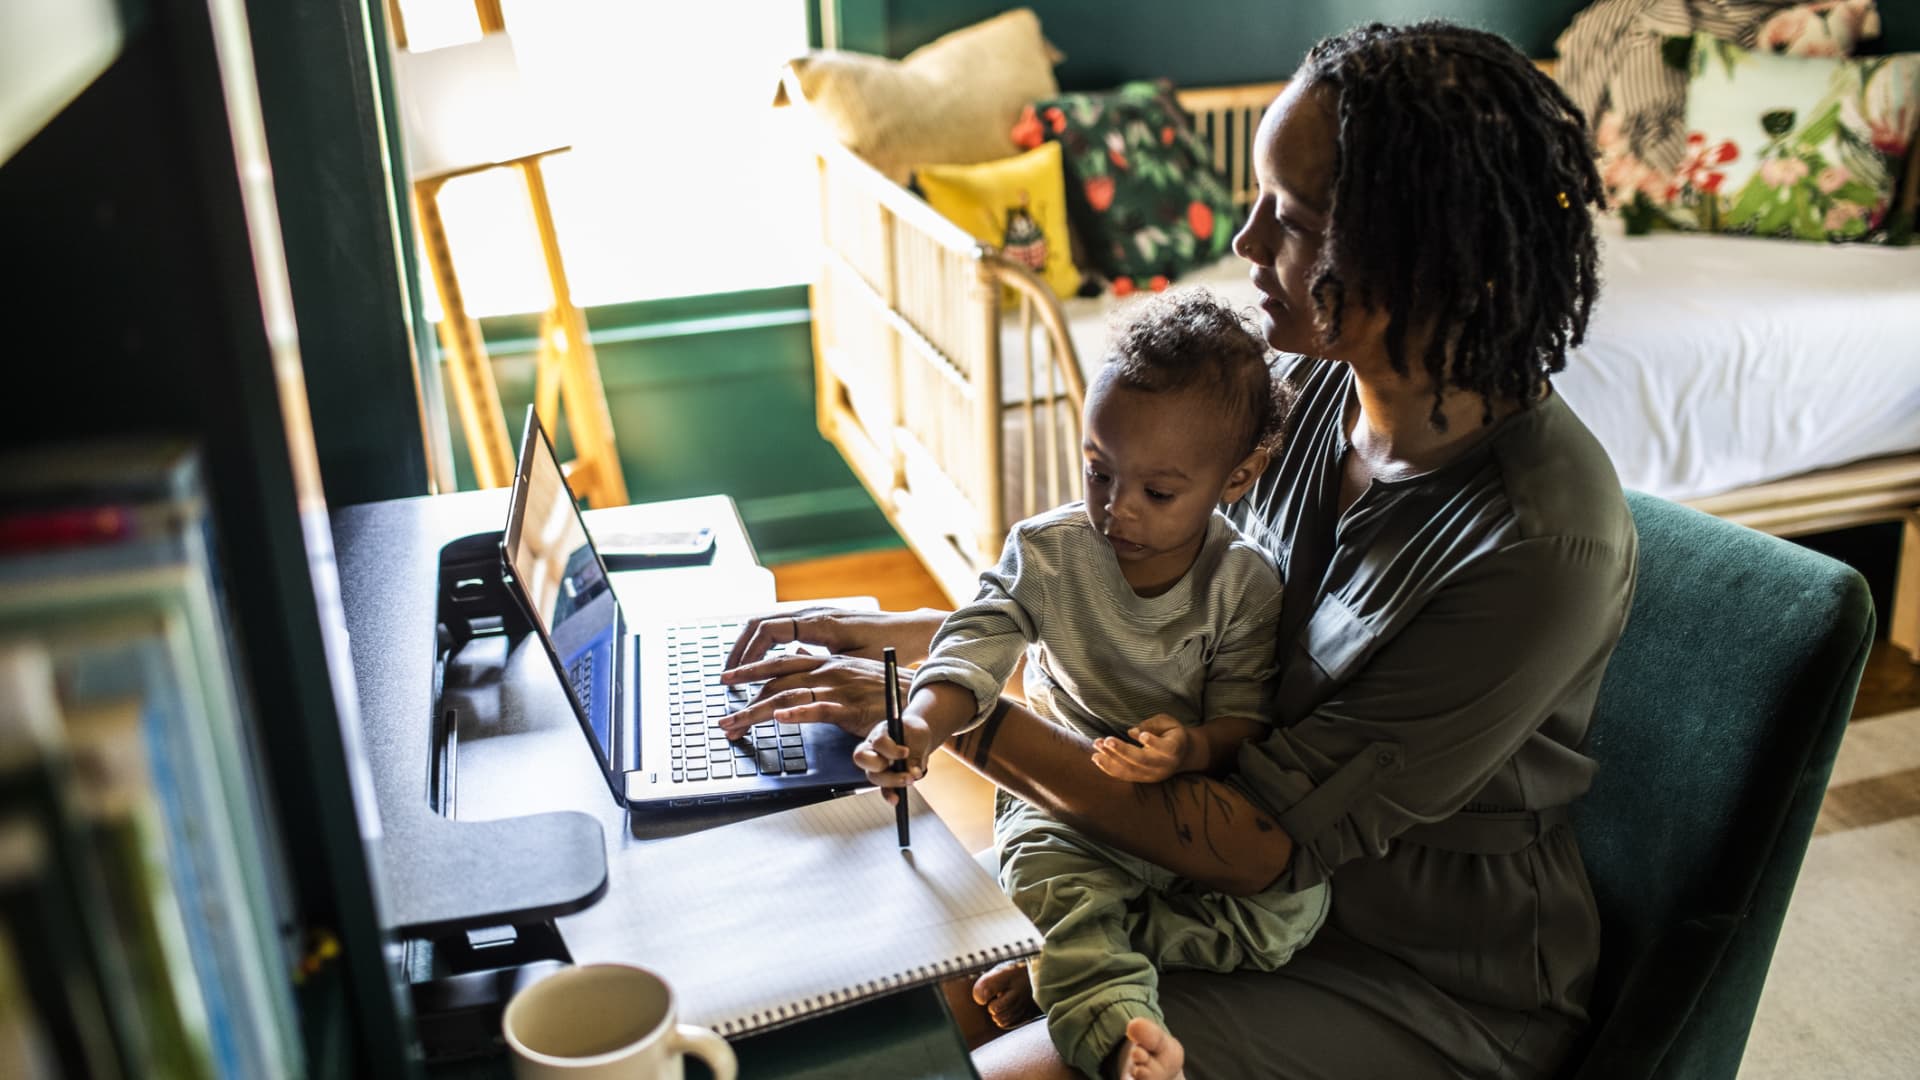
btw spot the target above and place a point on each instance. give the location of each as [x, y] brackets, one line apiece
[581, 675]
[696, 654]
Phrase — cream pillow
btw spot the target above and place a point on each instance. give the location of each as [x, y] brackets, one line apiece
[952, 101]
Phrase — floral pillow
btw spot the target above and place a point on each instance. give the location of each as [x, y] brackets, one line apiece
[1829, 28]
[1638, 130]
[1790, 146]
[1141, 190]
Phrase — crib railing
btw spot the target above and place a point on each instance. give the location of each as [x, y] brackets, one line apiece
[1052, 391]
[1226, 118]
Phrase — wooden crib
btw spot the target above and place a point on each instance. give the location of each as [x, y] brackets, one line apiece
[957, 436]
[908, 353]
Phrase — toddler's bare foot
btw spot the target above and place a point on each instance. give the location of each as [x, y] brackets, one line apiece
[1007, 992]
[1152, 1054]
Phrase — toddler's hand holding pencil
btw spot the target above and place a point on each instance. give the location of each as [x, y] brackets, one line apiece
[878, 753]
[931, 716]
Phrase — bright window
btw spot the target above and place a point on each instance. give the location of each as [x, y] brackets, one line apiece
[683, 178]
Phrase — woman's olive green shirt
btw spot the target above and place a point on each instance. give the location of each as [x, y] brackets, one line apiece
[1441, 644]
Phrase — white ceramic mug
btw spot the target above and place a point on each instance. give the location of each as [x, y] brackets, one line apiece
[606, 1022]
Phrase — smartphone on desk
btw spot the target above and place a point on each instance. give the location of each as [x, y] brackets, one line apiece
[650, 549]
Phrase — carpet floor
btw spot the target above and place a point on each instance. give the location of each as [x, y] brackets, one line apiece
[1843, 992]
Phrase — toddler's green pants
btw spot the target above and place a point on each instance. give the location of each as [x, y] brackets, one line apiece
[1111, 921]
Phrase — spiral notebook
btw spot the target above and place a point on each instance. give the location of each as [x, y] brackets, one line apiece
[773, 920]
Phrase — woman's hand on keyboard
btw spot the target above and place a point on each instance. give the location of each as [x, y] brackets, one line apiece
[842, 690]
[839, 630]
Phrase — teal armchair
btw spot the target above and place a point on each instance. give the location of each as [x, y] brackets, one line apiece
[1715, 731]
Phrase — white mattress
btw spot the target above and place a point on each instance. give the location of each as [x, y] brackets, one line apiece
[1712, 362]
[1715, 362]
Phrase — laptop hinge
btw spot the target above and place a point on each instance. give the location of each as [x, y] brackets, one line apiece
[626, 699]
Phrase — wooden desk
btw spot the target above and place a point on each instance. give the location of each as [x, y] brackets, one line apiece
[521, 750]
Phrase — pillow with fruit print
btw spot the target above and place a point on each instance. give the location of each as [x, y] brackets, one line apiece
[1141, 191]
[1795, 147]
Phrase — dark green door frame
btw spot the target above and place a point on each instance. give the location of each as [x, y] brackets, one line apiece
[326, 98]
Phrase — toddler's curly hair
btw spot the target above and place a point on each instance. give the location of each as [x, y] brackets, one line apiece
[1190, 338]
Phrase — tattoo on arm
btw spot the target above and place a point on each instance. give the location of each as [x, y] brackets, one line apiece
[975, 744]
[1196, 806]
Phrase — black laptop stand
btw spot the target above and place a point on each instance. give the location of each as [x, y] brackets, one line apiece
[430, 626]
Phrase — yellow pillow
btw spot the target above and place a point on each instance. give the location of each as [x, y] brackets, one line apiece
[952, 100]
[1018, 204]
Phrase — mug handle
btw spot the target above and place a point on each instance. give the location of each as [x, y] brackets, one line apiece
[708, 1047]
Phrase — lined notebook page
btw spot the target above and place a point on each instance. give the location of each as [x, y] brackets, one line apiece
[769, 921]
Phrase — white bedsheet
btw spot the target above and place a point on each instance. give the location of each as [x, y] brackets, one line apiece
[1715, 362]
[1712, 363]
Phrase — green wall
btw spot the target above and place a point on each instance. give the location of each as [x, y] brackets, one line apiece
[1220, 41]
[1228, 41]
[711, 394]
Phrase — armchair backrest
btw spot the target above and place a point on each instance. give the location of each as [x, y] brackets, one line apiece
[1715, 731]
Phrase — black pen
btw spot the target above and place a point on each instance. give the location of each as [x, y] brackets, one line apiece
[897, 731]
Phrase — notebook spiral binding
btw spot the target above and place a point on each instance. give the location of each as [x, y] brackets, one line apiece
[761, 1020]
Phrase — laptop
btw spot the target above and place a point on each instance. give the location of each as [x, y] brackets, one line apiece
[647, 691]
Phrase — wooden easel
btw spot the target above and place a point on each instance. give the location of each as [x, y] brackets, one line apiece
[567, 373]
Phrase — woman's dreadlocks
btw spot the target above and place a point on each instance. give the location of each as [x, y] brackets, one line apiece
[1460, 200]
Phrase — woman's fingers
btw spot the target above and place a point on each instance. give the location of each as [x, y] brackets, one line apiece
[852, 685]
[760, 634]
[757, 636]
[767, 705]
[770, 668]
[748, 645]
[829, 627]
[843, 691]
[817, 710]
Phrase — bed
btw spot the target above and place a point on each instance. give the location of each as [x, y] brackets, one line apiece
[1776, 384]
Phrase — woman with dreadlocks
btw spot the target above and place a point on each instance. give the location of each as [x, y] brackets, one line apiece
[1458, 560]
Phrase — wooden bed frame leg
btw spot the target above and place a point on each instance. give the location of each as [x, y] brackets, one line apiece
[1904, 630]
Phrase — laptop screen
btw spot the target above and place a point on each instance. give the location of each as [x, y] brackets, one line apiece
[559, 574]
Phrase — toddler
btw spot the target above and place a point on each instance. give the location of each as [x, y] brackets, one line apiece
[1148, 625]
